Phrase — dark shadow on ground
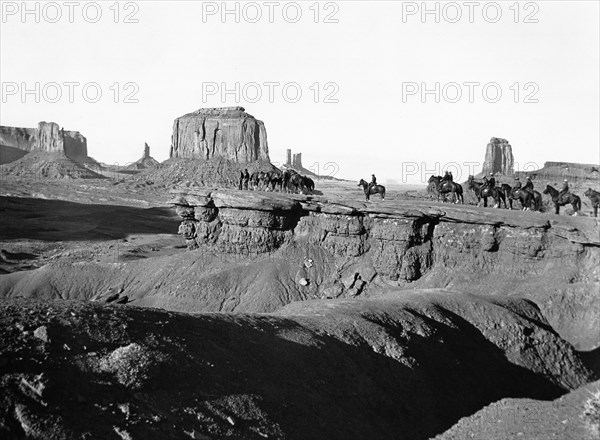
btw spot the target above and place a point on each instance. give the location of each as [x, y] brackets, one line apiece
[314, 386]
[58, 220]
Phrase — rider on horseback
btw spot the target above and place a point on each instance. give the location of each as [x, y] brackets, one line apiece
[564, 190]
[488, 183]
[373, 182]
[528, 184]
[517, 184]
[448, 177]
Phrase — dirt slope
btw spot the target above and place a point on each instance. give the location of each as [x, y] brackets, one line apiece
[400, 366]
[43, 165]
[574, 416]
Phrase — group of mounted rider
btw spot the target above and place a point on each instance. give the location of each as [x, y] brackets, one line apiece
[291, 181]
[529, 198]
[288, 181]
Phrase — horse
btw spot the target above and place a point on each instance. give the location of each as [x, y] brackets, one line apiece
[254, 178]
[443, 187]
[274, 180]
[594, 197]
[559, 201]
[309, 184]
[524, 197]
[374, 189]
[300, 184]
[287, 176]
[529, 199]
[496, 193]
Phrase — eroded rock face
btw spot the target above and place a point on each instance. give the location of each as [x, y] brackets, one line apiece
[48, 137]
[228, 133]
[480, 251]
[498, 157]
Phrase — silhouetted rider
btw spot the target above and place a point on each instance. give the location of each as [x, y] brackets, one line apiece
[563, 191]
[447, 177]
[528, 184]
[517, 185]
[373, 181]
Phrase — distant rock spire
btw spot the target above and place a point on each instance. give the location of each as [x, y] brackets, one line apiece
[498, 157]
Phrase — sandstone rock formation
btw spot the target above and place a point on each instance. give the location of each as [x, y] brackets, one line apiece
[47, 137]
[146, 161]
[415, 244]
[228, 133]
[498, 158]
[294, 161]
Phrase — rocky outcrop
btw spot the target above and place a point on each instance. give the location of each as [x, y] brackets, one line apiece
[228, 133]
[498, 158]
[293, 161]
[47, 137]
[146, 161]
[375, 245]
[237, 222]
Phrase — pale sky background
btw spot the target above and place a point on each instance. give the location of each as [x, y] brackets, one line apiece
[369, 54]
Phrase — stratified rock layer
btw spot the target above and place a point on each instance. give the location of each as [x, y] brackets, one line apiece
[457, 246]
[228, 133]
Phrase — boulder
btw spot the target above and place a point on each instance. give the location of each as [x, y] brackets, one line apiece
[229, 133]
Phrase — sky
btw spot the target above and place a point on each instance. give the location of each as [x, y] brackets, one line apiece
[400, 89]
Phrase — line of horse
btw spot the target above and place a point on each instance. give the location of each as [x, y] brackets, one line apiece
[289, 181]
[530, 200]
[505, 194]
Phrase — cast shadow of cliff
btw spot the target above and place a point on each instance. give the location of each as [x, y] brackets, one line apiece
[59, 220]
[315, 385]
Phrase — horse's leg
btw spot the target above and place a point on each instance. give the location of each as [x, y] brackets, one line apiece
[595, 210]
[503, 198]
[557, 208]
